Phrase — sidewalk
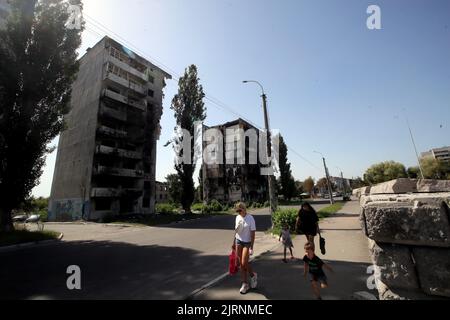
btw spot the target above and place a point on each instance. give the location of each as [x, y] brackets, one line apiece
[347, 252]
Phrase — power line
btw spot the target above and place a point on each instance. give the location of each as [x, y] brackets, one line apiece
[216, 102]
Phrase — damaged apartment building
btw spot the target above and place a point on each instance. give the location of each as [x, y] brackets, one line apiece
[238, 177]
[106, 159]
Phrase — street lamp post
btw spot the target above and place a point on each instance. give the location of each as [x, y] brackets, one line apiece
[327, 174]
[270, 176]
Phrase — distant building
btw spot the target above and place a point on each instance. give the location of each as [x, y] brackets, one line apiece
[442, 154]
[162, 192]
[229, 183]
[106, 157]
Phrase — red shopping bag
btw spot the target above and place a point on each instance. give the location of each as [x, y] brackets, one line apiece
[234, 268]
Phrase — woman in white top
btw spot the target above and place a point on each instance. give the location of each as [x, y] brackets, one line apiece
[245, 230]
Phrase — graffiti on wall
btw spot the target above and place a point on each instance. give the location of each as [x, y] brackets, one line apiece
[66, 210]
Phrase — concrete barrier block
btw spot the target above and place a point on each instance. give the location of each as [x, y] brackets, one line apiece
[433, 186]
[398, 186]
[408, 223]
[433, 267]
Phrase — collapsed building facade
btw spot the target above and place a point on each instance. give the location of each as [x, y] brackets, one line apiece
[233, 172]
[106, 159]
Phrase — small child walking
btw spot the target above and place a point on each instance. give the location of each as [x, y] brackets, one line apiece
[314, 266]
[287, 242]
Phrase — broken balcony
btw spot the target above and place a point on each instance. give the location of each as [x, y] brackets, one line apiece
[139, 104]
[113, 114]
[128, 68]
[112, 192]
[110, 132]
[126, 83]
[118, 152]
[119, 172]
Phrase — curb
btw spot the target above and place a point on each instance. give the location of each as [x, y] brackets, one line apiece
[28, 245]
[226, 275]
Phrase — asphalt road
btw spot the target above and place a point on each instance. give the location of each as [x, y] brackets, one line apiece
[167, 262]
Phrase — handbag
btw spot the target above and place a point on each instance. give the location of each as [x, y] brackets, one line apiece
[323, 249]
[233, 268]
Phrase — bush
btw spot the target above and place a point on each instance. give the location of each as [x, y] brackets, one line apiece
[44, 215]
[266, 204]
[206, 209]
[197, 207]
[285, 216]
[215, 206]
[165, 208]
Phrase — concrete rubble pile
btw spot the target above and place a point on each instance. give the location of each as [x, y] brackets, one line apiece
[408, 225]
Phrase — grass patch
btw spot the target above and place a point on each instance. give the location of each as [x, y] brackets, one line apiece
[22, 236]
[328, 211]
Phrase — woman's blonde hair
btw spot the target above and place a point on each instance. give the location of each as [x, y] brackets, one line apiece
[240, 206]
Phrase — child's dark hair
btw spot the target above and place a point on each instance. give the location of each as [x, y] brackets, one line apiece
[310, 246]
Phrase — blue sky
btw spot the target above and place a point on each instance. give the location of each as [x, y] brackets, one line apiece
[333, 85]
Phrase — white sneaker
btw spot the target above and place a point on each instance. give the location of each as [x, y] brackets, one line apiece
[254, 281]
[244, 289]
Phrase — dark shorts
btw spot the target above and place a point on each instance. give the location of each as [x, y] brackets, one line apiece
[312, 233]
[243, 244]
[319, 278]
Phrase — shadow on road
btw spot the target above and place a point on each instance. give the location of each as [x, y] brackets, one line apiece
[263, 223]
[109, 270]
[279, 281]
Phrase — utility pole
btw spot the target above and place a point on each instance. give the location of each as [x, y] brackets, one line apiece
[344, 185]
[330, 190]
[327, 175]
[415, 148]
[270, 175]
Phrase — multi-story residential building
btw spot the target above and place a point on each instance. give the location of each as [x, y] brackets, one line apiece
[106, 158]
[162, 192]
[229, 181]
[442, 154]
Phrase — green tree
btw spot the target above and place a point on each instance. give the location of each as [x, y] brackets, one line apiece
[358, 183]
[189, 108]
[322, 184]
[385, 171]
[308, 185]
[174, 187]
[435, 169]
[299, 186]
[38, 63]
[287, 186]
[413, 172]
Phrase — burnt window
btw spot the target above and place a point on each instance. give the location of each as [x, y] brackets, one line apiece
[102, 204]
[151, 93]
